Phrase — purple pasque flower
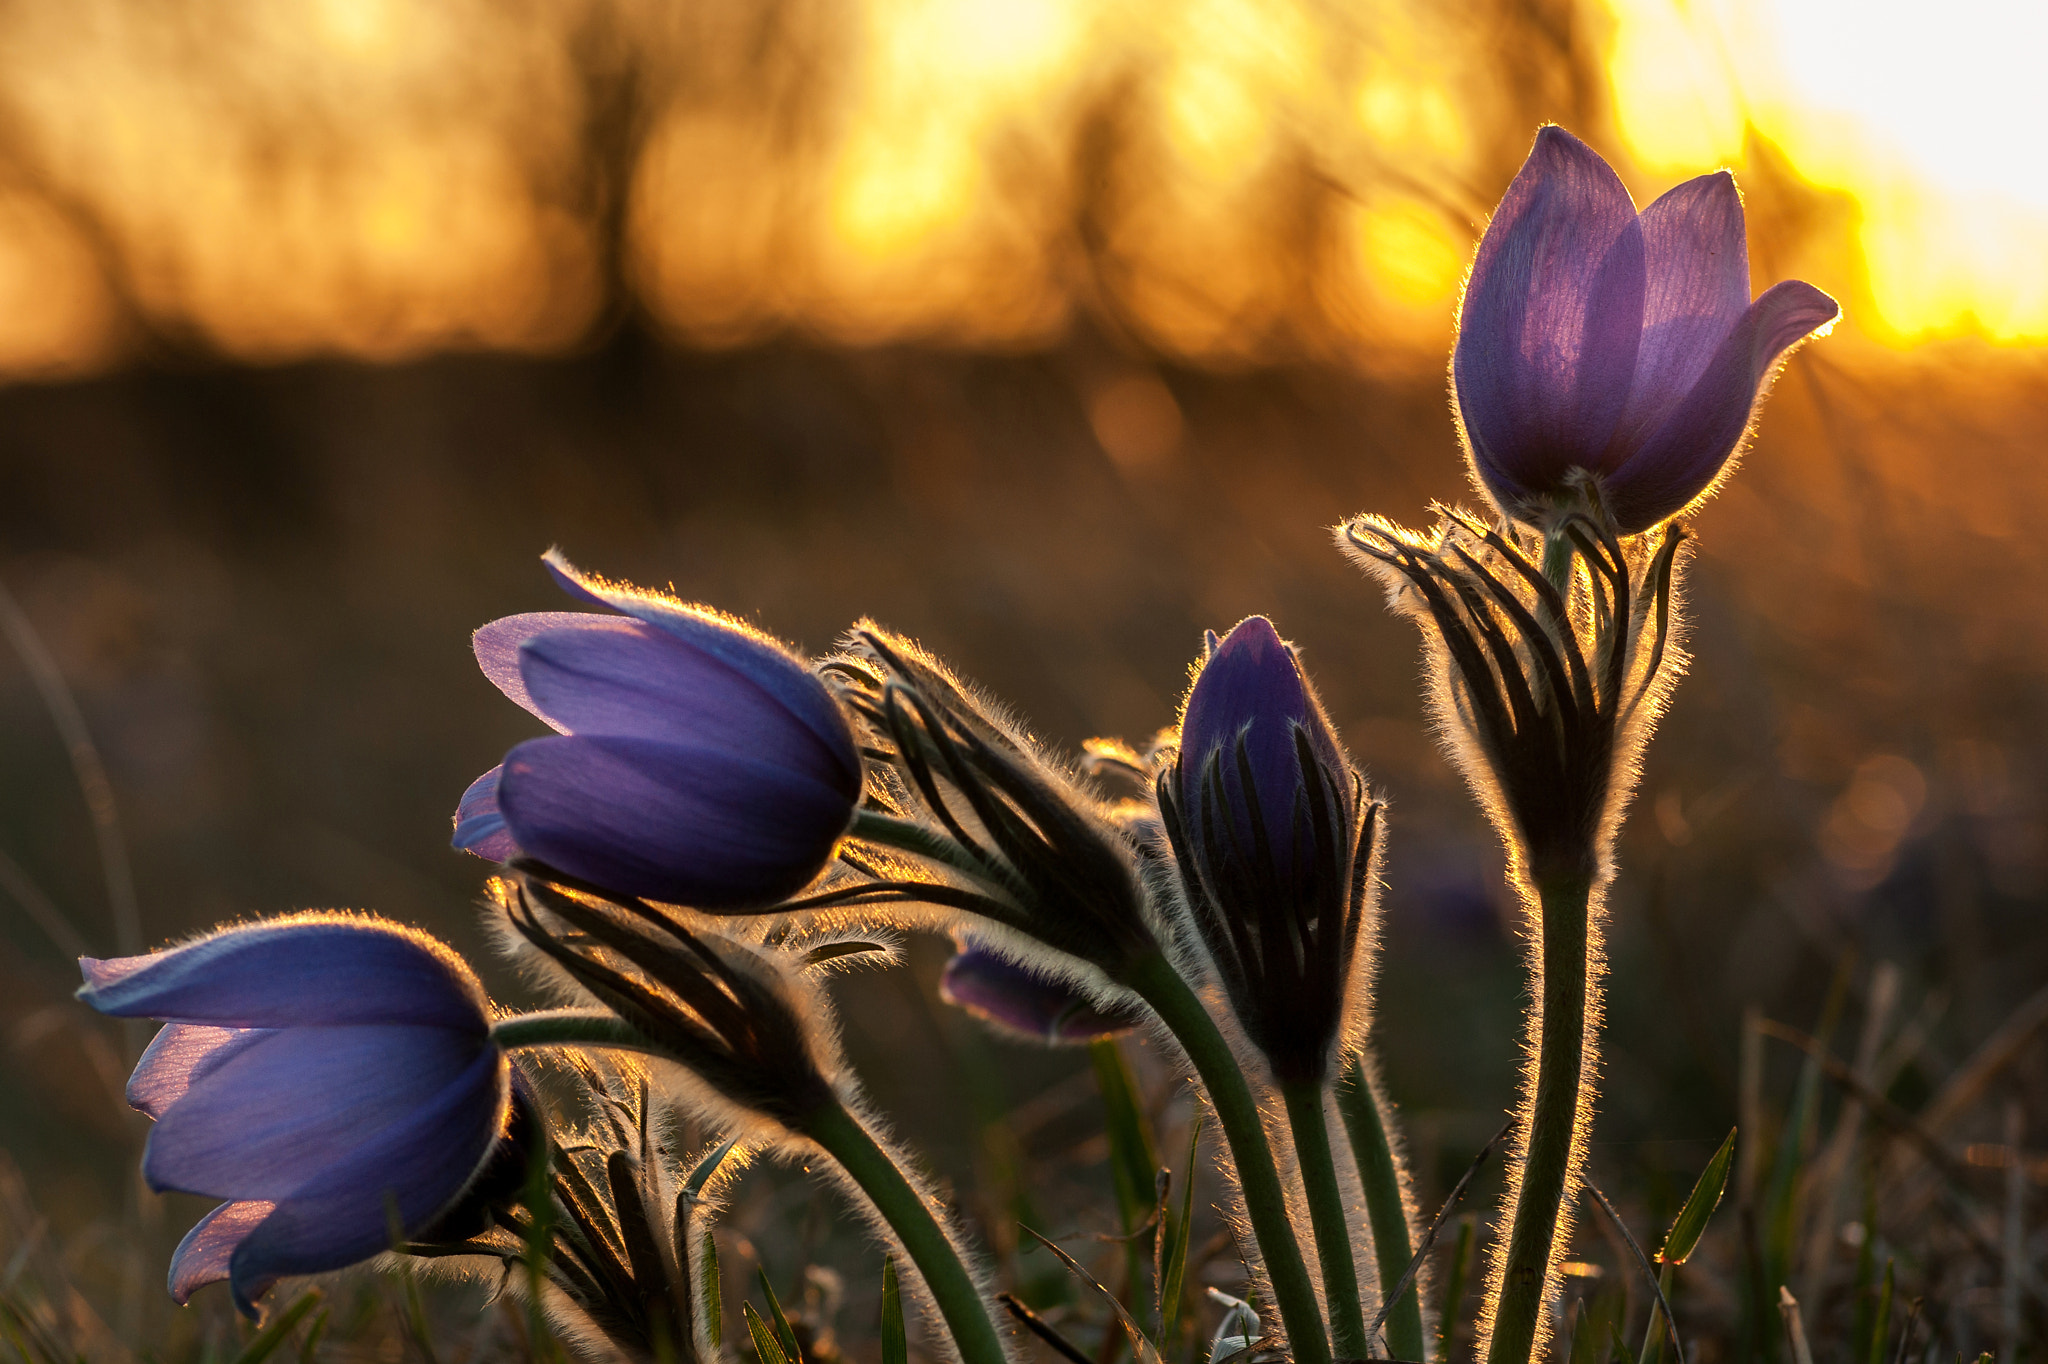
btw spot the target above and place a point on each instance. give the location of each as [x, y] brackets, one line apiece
[1274, 844]
[1624, 344]
[1252, 728]
[320, 1072]
[697, 761]
[1026, 1003]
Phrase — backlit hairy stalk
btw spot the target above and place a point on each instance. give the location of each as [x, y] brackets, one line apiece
[1549, 659]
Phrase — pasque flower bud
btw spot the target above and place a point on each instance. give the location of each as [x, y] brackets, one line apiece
[1274, 841]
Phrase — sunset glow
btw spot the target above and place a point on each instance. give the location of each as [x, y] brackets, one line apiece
[1931, 126]
[1233, 180]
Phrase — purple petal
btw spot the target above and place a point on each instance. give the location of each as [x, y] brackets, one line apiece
[643, 682]
[710, 829]
[1252, 687]
[308, 969]
[202, 1257]
[1552, 317]
[1697, 264]
[497, 646]
[417, 1167]
[1682, 458]
[282, 1109]
[1018, 1000]
[746, 650]
[480, 825]
[180, 1056]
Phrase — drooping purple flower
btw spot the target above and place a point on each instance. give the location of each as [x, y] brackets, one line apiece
[1028, 1004]
[1273, 843]
[1593, 337]
[320, 1072]
[696, 762]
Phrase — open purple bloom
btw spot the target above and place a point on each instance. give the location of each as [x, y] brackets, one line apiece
[696, 762]
[322, 1073]
[1593, 337]
[1028, 1004]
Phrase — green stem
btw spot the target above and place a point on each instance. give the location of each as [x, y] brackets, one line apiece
[1548, 1171]
[1304, 1100]
[1392, 1238]
[1155, 981]
[570, 1028]
[910, 1217]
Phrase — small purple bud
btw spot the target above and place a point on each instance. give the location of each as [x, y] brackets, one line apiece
[1626, 345]
[1024, 1003]
[696, 762]
[1273, 845]
[316, 1072]
[1250, 708]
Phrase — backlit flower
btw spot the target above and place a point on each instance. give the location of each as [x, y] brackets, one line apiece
[1274, 852]
[323, 1073]
[1015, 999]
[1596, 338]
[697, 762]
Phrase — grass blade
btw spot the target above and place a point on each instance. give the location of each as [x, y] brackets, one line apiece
[1179, 1231]
[272, 1335]
[1881, 1320]
[766, 1347]
[1455, 1284]
[1133, 1159]
[895, 1342]
[1691, 1221]
[783, 1332]
[713, 1293]
[1142, 1349]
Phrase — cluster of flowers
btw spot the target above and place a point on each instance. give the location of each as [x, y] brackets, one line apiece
[716, 819]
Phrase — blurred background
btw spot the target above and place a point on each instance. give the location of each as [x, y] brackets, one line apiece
[1052, 333]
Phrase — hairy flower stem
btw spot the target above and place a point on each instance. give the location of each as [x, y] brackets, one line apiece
[1392, 1239]
[1155, 981]
[1304, 1100]
[910, 1217]
[844, 1139]
[1550, 1165]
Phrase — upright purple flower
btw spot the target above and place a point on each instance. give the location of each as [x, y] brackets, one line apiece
[1015, 999]
[1593, 337]
[697, 762]
[1263, 812]
[320, 1072]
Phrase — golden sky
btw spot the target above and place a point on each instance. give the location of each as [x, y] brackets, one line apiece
[1225, 180]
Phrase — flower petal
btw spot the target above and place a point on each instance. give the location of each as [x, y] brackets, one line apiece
[683, 825]
[1551, 320]
[480, 825]
[262, 1123]
[416, 1168]
[202, 1257]
[304, 969]
[747, 650]
[1252, 687]
[644, 682]
[1025, 1003]
[182, 1055]
[496, 646]
[1697, 264]
[1685, 455]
